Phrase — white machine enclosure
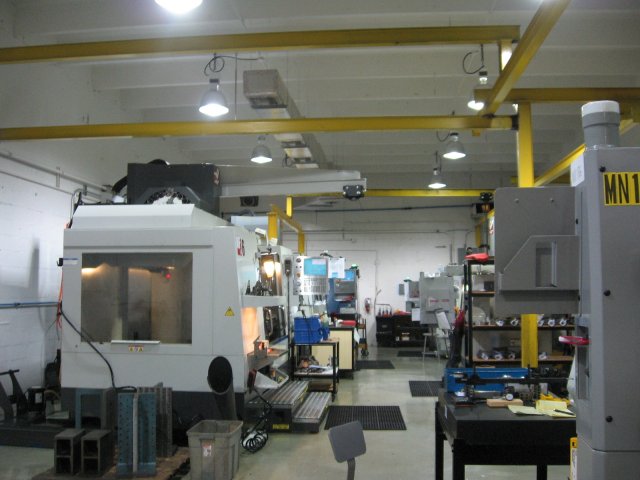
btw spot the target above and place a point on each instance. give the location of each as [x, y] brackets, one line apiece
[224, 321]
[607, 389]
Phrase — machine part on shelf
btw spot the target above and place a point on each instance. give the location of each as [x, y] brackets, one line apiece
[220, 380]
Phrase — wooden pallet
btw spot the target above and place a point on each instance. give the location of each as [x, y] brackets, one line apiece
[165, 468]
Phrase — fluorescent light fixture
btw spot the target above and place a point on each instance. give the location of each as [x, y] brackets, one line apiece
[179, 7]
[261, 153]
[213, 103]
[436, 180]
[454, 149]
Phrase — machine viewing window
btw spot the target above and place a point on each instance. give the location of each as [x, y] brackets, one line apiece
[137, 296]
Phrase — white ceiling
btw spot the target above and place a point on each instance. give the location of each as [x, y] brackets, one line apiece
[596, 43]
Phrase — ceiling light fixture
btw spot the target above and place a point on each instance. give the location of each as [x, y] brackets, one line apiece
[454, 149]
[475, 105]
[261, 153]
[179, 7]
[437, 181]
[213, 103]
[483, 77]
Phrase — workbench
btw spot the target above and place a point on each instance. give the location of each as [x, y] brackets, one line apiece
[480, 435]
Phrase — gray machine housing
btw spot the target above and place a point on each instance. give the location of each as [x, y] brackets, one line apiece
[575, 250]
[432, 295]
[608, 420]
[536, 258]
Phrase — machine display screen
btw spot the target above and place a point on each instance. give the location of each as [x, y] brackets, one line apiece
[137, 296]
[349, 275]
[315, 267]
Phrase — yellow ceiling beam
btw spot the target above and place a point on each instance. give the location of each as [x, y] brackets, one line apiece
[423, 193]
[255, 127]
[533, 37]
[563, 166]
[560, 95]
[385, 192]
[253, 42]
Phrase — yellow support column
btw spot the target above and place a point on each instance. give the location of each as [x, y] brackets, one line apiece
[272, 225]
[289, 207]
[301, 243]
[528, 322]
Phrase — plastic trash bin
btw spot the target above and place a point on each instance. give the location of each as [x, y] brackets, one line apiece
[214, 448]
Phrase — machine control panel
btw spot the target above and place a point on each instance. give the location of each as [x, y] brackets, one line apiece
[310, 276]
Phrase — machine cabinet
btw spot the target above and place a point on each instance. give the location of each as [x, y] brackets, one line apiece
[399, 331]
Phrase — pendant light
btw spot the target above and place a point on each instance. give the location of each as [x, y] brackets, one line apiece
[454, 149]
[437, 181]
[261, 153]
[213, 103]
[179, 7]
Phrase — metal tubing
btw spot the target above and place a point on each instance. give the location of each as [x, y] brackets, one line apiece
[256, 127]
[272, 41]
[15, 305]
[56, 173]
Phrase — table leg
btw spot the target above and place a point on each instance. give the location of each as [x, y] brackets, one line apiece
[440, 438]
[541, 472]
[458, 463]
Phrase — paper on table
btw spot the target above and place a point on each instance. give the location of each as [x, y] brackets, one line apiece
[554, 408]
[518, 410]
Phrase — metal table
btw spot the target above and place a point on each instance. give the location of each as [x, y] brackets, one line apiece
[480, 435]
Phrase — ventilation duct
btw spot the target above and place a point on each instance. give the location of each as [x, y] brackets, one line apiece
[269, 97]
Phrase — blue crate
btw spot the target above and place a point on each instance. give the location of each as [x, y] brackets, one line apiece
[309, 330]
[451, 385]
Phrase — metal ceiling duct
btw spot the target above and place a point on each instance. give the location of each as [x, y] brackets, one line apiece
[269, 97]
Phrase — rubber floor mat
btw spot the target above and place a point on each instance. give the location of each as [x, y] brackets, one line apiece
[374, 365]
[424, 388]
[371, 417]
[410, 353]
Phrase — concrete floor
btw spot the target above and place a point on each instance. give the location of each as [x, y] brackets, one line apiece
[391, 454]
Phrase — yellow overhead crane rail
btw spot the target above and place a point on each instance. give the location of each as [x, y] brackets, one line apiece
[253, 42]
[407, 192]
[534, 36]
[256, 127]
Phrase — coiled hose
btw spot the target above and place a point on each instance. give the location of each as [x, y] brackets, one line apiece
[256, 437]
